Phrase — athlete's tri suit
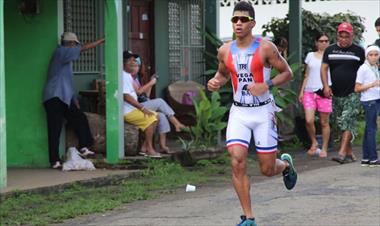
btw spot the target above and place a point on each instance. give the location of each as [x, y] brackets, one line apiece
[250, 113]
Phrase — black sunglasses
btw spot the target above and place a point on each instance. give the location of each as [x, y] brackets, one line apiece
[323, 40]
[243, 19]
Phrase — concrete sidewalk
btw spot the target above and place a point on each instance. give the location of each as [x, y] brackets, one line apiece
[30, 179]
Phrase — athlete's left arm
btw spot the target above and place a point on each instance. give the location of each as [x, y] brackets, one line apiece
[274, 59]
[271, 57]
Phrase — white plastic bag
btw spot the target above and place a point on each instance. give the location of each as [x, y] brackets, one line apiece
[75, 162]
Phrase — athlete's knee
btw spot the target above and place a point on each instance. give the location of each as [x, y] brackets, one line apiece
[238, 165]
[267, 170]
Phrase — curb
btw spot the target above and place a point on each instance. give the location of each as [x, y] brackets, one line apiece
[93, 182]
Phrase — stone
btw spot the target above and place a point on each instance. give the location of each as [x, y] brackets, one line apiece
[98, 129]
[131, 139]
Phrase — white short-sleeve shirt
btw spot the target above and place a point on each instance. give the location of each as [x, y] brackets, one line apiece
[366, 75]
[128, 89]
[314, 81]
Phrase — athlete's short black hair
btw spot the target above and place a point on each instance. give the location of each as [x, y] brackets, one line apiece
[377, 22]
[245, 6]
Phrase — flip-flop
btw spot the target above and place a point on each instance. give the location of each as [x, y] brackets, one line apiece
[156, 156]
[339, 159]
[142, 153]
[164, 151]
[349, 158]
[322, 156]
[313, 151]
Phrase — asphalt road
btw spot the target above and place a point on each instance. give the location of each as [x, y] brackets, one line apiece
[330, 196]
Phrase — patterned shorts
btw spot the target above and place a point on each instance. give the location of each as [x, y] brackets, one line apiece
[313, 101]
[346, 111]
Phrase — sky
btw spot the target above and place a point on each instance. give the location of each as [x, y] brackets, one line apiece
[369, 9]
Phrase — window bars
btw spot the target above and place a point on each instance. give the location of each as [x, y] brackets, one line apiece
[81, 18]
[186, 42]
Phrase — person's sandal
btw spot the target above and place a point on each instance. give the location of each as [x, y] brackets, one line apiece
[340, 159]
[322, 154]
[313, 151]
[84, 152]
[349, 158]
[155, 155]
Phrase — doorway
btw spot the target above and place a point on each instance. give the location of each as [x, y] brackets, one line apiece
[141, 34]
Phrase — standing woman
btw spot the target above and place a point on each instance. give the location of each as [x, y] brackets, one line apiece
[312, 98]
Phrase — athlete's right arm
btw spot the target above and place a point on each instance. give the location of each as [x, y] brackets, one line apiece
[222, 75]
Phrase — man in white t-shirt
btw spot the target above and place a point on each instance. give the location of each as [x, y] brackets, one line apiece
[134, 112]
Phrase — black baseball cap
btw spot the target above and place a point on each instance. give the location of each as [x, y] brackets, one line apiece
[128, 54]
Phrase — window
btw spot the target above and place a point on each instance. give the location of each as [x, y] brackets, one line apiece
[186, 42]
[82, 18]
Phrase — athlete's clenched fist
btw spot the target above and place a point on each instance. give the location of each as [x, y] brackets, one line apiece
[214, 84]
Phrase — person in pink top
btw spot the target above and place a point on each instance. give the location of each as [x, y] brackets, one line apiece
[312, 98]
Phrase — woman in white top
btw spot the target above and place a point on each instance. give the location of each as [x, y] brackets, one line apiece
[311, 96]
[368, 84]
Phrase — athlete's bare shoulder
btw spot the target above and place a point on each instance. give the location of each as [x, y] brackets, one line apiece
[268, 52]
[223, 50]
[267, 46]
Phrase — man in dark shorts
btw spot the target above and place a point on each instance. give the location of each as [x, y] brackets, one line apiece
[343, 59]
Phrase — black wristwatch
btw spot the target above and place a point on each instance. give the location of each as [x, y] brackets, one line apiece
[269, 83]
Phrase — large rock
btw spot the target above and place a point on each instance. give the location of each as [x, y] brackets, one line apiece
[131, 139]
[98, 129]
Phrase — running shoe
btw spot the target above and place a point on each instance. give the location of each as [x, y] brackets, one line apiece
[289, 174]
[246, 221]
[365, 162]
[374, 163]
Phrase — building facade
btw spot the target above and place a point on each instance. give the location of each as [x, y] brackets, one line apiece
[164, 32]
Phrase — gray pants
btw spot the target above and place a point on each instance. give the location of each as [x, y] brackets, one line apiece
[164, 111]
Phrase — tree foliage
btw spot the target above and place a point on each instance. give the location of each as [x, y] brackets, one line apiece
[315, 23]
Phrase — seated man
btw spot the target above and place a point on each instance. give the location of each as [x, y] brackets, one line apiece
[134, 112]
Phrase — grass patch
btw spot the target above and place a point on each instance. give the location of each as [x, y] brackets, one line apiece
[159, 176]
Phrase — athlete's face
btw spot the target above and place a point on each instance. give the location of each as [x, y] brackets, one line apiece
[345, 39]
[242, 23]
[373, 57]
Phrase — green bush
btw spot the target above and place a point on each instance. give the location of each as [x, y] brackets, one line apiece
[314, 23]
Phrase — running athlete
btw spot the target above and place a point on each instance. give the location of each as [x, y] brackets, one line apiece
[247, 61]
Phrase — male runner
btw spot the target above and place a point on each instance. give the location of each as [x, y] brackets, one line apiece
[248, 61]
